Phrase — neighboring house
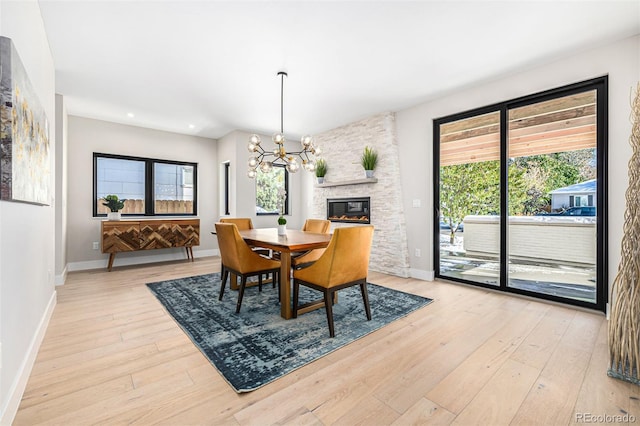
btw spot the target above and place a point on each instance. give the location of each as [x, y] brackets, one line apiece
[580, 194]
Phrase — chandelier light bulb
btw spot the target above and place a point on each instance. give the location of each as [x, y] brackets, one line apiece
[252, 147]
[252, 173]
[278, 138]
[317, 151]
[293, 166]
[266, 166]
[306, 141]
[253, 162]
[255, 139]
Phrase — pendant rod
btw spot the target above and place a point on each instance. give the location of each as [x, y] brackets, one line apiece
[282, 74]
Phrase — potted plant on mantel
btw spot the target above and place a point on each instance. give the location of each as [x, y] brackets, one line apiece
[115, 205]
[321, 170]
[369, 160]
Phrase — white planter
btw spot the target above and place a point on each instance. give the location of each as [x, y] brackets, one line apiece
[320, 179]
[113, 216]
[368, 174]
[282, 229]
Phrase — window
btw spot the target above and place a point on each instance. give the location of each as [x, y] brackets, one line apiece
[148, 186]
[227, 188]
[267, 186]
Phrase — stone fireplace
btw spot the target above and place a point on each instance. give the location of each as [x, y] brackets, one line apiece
[375, 201]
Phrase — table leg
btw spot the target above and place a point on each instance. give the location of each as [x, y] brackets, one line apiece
[285, 285]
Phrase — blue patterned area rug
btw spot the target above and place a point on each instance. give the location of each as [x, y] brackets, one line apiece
[257, 346]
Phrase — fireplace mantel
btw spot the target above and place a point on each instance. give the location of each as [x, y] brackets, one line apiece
[347, 182]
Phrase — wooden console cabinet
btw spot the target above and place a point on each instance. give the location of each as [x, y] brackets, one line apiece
[133, 235]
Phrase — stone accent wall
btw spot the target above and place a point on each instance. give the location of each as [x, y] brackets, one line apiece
[342, 149]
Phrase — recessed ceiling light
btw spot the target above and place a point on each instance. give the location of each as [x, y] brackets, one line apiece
[191, 126]
[130, 115]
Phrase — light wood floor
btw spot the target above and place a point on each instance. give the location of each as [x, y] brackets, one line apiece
[112, 355]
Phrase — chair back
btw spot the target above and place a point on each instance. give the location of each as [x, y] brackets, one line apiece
[234, 251]
[346, 258]
[242, 223]
[319, 226]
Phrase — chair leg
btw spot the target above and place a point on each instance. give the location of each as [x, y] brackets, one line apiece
[296, 289]
[365, 299]
[260, 282]
[328, 299]
[243, 284]
[223, 281]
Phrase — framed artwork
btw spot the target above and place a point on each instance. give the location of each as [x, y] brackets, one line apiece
[25, 167]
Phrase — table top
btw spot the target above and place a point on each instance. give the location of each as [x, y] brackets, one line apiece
[295, 240]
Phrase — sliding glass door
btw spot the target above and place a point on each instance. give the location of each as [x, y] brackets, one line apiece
[469, 188]
[520, 195]
[553, 162]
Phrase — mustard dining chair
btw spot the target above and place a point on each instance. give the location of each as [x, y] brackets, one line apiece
[245, 223]
[238, 258]
[319, 226]
[344, 263]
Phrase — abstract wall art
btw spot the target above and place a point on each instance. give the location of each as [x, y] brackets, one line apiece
[25, 166]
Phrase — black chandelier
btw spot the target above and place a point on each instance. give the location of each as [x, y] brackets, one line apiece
[264, 160]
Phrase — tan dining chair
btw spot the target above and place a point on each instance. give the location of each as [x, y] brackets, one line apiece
[303, 259]
[238, 258]
[245, 223]
[344, 263]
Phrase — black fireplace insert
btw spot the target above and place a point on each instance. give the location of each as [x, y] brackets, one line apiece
[349, 210]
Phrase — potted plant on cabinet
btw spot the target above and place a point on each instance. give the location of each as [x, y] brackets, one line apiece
[369, 160]
[321, 170]
[115, 205]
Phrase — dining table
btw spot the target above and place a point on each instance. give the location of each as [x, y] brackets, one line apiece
[293, 241]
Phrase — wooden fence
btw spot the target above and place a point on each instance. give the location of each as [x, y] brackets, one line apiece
[161, 206]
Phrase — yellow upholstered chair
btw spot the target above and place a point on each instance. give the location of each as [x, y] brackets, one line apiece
[319, 226]
[239, 259]
[241, 222]
[245, 223]
[344, 263]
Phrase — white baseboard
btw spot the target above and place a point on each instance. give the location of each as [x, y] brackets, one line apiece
[422, 275]
[123, 260]
[8, 413]
[60, 279]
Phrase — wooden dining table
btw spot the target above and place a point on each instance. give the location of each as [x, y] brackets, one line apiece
[293, 241]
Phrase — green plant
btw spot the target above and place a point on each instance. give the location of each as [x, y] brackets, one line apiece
[321, 167]
[369, 158]
[114, 204]
[282, 220]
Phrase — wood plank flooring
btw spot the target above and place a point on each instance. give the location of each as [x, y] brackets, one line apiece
[112, 355]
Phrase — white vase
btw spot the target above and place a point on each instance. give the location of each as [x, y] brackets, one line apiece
[368, 174]
[282, 229]
[113, 216]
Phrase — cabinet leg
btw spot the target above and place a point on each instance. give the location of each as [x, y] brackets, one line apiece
[112, 256]
[189, 253]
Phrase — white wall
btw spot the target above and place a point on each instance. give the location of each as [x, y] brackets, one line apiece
[620, 60]
[27, 291]
[61, 192]
[86, 136]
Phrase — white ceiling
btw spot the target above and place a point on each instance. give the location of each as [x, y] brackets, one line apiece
[214, 64]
